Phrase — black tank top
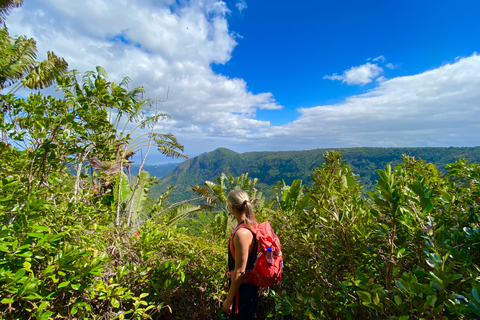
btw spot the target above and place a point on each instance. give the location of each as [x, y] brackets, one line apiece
[252, 256]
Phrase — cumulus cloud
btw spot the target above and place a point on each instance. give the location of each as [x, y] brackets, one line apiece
[434, 108]
[358, 75]
[160, 45]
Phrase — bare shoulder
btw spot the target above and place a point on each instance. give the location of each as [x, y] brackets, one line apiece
[243, 234]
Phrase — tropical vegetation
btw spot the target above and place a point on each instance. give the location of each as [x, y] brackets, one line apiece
[272, 166]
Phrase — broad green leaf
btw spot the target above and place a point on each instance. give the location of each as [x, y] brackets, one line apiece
[46, 315]
[431, 301]
[14, 245]
[63, 284]
[125, 190]
[19, 274]
[102, 72]
[30, 287]
[141, 195]
[350, 180]
[35, 235]
[115, 302]
[376, 287]
[40, 228]
[7, 300]
[429, 206]
[49, 270]
[26, 254]
[33, 296]
[475, 294]
[347, 313]
[385, 227]
[365, 296]
[3, 247]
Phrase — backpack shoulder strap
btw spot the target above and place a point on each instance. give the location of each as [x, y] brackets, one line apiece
[230, 241]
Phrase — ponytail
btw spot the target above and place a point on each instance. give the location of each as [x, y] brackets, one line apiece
[240, 200]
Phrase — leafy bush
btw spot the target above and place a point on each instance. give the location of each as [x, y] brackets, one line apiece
[67, 247]
[411, 251]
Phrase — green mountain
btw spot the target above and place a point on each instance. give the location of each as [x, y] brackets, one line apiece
[270, 167]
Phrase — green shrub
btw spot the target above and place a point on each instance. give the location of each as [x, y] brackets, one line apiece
[411, 251]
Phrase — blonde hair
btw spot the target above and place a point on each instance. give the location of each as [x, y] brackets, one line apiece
[241, 201]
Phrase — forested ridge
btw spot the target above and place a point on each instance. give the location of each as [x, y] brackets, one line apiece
[271, 167]
[91, 242]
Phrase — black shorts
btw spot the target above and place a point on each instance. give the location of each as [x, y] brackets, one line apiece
[247, 302]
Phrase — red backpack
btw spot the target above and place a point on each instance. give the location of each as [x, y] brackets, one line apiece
[268, 266]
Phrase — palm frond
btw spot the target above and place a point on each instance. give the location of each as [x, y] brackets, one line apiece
[171, 152]
[87, 82]
[168, 145]
[179, 213]
[150, 121]
[45, 72]
[218, 190]
[17, 58]
[204, 193]
[6, 6]
[124, 83]
[157, 207]
[138, 108]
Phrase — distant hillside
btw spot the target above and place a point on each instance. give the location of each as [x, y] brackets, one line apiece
[270, 167]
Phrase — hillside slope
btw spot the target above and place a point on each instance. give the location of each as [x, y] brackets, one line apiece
[270, 167]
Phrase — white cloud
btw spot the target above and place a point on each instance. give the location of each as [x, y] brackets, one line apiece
[358, 75]
[382, 58]
[159, 45]
[241, 5]
[334, 77]
[390, 66]
[439, 107]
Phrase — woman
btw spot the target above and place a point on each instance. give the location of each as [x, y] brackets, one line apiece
[242, 298]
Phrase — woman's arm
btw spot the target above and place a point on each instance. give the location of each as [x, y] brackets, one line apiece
[241, 241]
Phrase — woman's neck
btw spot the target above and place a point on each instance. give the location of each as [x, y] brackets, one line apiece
[240, 217]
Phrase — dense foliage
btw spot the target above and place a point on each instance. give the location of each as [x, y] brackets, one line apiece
[82, 245]
[408, 252]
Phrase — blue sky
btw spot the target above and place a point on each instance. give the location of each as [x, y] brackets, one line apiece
[280, 75]
[287, 49]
